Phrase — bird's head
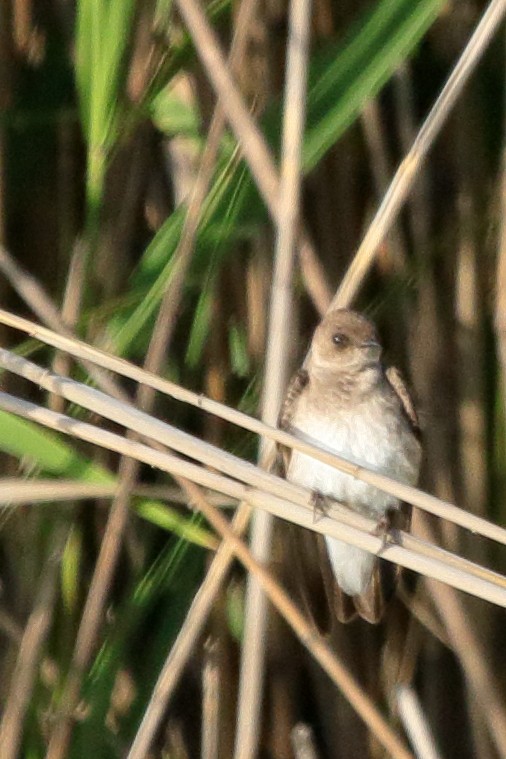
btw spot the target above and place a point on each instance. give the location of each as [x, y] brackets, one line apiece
[345, 341]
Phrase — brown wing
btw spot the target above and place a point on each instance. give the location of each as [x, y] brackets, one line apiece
[312, 573]
[340, 604]
[398, 385]
[319, 591]
[307, 578]
[295, 387]
[401, 518]
[371, 604]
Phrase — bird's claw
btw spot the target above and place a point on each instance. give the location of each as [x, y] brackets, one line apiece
[320, 504]
[383, 529]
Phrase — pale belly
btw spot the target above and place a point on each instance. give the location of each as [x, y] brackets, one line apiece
[368, 439]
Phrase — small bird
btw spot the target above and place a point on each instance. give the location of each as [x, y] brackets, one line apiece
[344, 399]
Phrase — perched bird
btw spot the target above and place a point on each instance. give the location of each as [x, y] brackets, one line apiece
[344, 399]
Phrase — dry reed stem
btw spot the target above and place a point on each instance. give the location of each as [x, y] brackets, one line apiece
[128, 470]
[41, 304]
[254, 148]
[471, 653]
[93, 609]
[33, 638]
[71, 307]
[412, 495]
[39, 621]
[91, 616]
[10, 628]
[275, 369]
[252, 143]
[16, 491]
[491, 587]
[161, 432]
[210, 702]
[171, 301]
[415, 724]
[418, 205]
[409, 168]
[500, 294]
[186, 639]
[303, 742]
[318, 647]
[374, 134]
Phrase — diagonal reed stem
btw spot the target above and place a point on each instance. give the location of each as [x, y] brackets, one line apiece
[408, 170]
[407, 493]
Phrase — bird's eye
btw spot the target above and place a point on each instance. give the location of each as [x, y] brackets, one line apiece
[340, 339]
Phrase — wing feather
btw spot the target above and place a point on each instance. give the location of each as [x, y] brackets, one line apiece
[396, 382]
[296, 385]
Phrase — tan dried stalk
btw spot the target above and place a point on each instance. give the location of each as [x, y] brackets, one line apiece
[275, 369]
[253, 145]
[410, 166]
[415, 723]
[282, 503]
[39, 622]
[79, 349]
[182, 470]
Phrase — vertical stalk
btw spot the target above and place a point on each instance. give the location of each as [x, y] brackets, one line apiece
[276, 365]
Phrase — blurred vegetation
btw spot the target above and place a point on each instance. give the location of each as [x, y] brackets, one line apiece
[104, 113]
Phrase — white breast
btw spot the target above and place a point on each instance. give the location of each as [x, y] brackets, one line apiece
[370, 436]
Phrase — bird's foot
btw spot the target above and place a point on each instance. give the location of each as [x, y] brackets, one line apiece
[320, 504]
[383, 529]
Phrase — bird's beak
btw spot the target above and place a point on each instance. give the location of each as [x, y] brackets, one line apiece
[371, 344]
[373, 349]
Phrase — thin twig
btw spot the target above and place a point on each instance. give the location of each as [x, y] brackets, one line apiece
[408, 170]
[15, 491]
